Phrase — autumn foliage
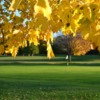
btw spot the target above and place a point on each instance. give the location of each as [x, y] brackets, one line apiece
[39, 19]
[72, 45]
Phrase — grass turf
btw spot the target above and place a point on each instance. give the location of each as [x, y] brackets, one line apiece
[26, 79]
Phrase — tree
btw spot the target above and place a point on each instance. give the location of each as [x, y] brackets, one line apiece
[11, 34]
[60, 45]
[33, 49]
[42, 18]
[80, 46]
[29, 50]
[42, 47]
[71, 45]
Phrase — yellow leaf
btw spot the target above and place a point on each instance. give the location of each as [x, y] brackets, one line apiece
[92, 47]
[41, 21]
[13, 50]
[14, 4]
[7, 27]
[16, 31]
[49, 35]
[50, 53]
[89, 1]
[98, 26]
[33, 36]
[24, 43]
[86, 30]
[96, 2]
[74, 26]
[1, 49]
[43, 7]
[87, 12]
[66, 30]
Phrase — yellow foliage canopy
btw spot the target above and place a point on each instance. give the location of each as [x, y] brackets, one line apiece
[14, 4]
[44, 17]
[43, 7]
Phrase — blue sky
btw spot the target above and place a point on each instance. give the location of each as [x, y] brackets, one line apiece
[59, 33]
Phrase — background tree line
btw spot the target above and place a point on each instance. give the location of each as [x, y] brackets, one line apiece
[68, 45]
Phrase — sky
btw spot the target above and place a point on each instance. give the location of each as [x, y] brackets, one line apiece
[59, 33]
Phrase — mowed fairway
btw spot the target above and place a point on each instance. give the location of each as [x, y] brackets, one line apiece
[37, 78]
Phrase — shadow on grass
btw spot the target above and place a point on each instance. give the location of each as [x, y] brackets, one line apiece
[44, 58]
[87, 60]
[78, 64]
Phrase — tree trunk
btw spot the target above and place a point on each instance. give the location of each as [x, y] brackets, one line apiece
[69, 58]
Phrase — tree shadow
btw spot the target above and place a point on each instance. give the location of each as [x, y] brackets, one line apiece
[46, 64]
[87, 60]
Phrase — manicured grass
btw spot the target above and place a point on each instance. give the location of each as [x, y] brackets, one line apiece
[37, 78]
